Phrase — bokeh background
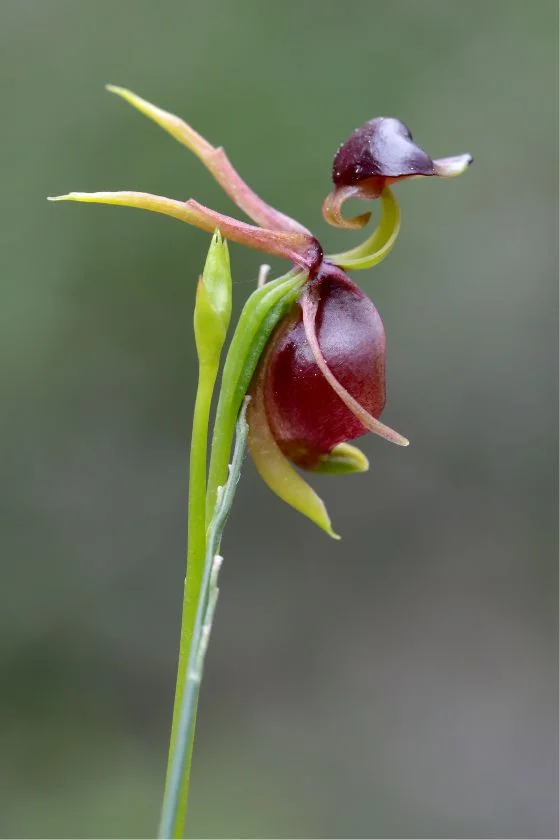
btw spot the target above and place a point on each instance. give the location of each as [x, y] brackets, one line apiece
[402, 682]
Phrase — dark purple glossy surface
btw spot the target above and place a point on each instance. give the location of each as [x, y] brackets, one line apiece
[382, 148]
[306, 417]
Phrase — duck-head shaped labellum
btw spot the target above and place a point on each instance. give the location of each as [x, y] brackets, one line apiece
[379, 153]
[320, 384]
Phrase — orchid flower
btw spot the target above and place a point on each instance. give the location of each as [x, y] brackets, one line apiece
[305, 366]
[321, 380]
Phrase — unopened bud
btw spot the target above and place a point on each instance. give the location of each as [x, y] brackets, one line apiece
[212, 311]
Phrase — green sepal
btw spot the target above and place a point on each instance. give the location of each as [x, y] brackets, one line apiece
[381, 241]
[344, 459]
[277, 472]
[261, 313]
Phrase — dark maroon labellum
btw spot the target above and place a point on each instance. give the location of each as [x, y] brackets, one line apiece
[305, 415]
[381, 149]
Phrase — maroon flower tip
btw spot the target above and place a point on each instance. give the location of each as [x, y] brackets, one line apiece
[381, 149]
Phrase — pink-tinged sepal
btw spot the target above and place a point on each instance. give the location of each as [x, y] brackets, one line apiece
[300, 248]
[376, 155]
[216, 161]
[332, 208]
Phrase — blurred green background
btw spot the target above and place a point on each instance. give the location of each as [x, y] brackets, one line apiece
[402, 682]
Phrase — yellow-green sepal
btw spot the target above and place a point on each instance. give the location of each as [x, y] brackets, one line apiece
[381, 241]
[344, 459]
[276, 471]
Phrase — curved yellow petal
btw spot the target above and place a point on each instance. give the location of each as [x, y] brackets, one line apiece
[332, 209]
[381, 241]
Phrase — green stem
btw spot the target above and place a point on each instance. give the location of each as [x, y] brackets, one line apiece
[172, 812]
[260, 315]
[195, 564]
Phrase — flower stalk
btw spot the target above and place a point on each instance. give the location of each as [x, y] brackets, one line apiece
[260, 314]
[174, 801]
[212, 314]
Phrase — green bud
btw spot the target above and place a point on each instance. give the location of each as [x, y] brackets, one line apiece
[212, 310]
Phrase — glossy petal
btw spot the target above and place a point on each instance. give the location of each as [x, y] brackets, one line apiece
[381, 148]
[328, 387]
[310, 307]
[377, 154]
